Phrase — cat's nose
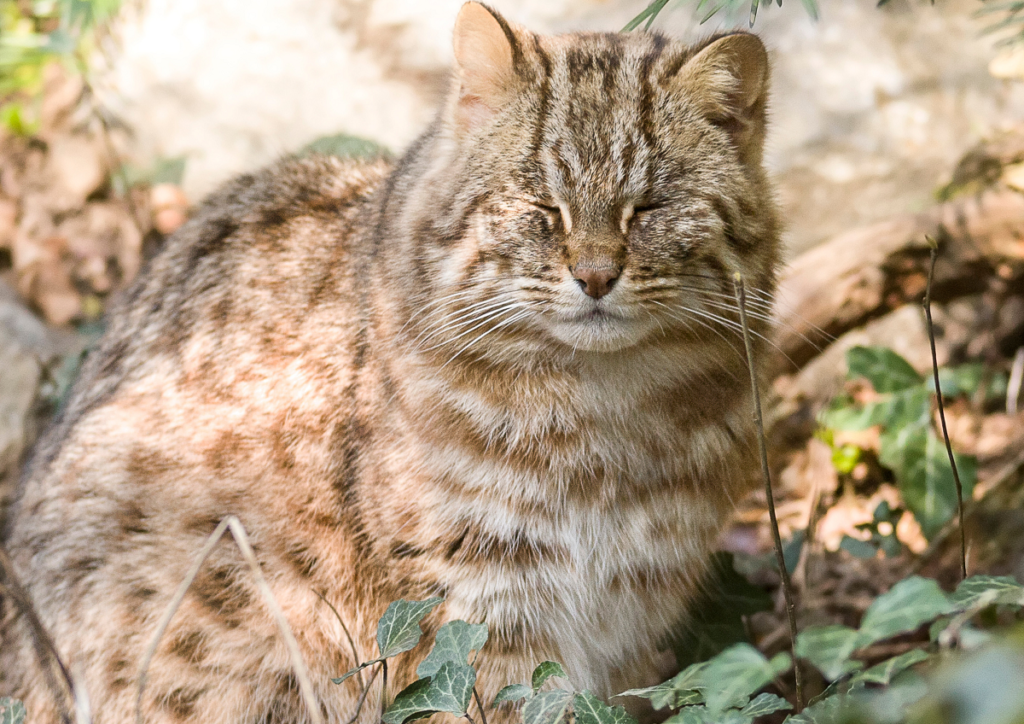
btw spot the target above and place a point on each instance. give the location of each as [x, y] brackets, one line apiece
[596, 281]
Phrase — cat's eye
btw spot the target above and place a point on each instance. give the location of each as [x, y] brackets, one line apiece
[631, 212]
[555, 212]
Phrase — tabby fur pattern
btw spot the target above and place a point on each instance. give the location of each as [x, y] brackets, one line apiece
[505, 370]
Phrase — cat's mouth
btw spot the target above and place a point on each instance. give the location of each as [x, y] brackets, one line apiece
[597, 329]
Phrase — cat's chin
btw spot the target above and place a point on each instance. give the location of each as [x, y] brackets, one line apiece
[598, 333]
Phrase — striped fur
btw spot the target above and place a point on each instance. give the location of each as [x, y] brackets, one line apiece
[393, 377]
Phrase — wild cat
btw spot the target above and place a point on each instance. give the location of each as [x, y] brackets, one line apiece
[504, 371]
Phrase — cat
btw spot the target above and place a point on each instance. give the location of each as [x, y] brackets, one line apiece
[505, 370]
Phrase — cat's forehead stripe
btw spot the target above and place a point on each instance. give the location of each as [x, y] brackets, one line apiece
[594, 120]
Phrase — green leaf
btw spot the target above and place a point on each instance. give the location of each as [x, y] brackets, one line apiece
[345, 146]
[12, 711]
[591, 710]
[737, 673]
[833, 710]
[548, 707]
[399, 628]
[883, 368]
[988, 589]
[545, 671]
[884, 672]
[666, 695]
[449, 690]
[858, 548]
[764, 704]
[910, 603]
[919, 460]
[854, 418]
[846, 457]
[454, 641]
[829, 648]
[692, 715]
[513, 692]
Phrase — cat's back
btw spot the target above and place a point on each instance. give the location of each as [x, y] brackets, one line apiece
[230, 355]
[267, 268]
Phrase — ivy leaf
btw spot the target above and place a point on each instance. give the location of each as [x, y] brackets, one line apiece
[995, 589]
[454, 641]
[858, 548]
[547, 708]
[513, 692]
[12, 711]
[833, 710]
[667, 694]
[399, 628]
[591, 710]
[733, 676]
[764, 704]
[884, 672]
[899, 409]
[883, 368]
[449, 690]
[345, 146]
[919, 459]
[545, 671]
[829, 648]
[910, 603]
[692, 715]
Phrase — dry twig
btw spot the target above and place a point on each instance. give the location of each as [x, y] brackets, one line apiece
[242, 541]
[46, 650]
[934, 249]
[741, 300]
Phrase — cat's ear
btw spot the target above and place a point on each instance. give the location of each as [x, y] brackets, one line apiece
[728, 79]
[485, 46]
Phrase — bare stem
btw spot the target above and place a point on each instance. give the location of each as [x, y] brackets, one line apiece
[362, 697]
[480, 706]
[383, 689]
[242, 541]
[741, 299]
[351, 642]
[46, 650]
[942, 412]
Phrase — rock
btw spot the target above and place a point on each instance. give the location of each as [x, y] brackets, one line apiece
[25, 346]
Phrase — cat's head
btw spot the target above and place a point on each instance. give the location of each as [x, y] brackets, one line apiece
[595, 190]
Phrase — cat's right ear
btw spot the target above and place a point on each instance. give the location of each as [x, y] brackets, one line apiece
[485, 47]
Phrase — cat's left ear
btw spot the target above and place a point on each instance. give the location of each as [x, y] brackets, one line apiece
[486, 47]
[728, 79]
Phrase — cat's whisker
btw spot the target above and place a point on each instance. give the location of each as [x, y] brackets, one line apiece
[489, 316]
[467, 315]
[511, 320]
[435, 305]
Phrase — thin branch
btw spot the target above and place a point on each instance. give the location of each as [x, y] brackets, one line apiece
[356, 658]
[46, 650]
[242, 541]
[383, 688]
[741, 299]
[1015, 382]
[362, 697]
[934, 250]
[479, 706]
